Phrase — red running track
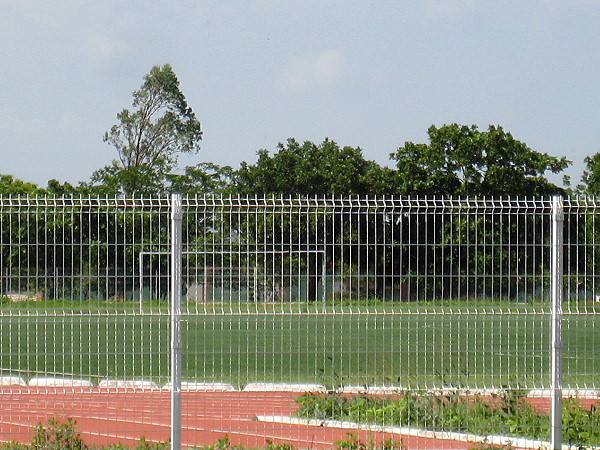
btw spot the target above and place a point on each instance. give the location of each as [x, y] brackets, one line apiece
[105, 416]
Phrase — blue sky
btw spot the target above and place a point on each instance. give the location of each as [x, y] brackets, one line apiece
[373, 74]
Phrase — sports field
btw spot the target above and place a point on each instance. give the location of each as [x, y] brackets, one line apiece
[406, 345]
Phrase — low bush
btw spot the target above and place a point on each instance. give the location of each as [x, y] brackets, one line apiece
[508, 414]
[56, 435]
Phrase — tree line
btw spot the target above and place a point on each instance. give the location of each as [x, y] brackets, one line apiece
[457, 160]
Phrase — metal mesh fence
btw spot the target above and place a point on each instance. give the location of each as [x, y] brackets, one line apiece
[434, 300]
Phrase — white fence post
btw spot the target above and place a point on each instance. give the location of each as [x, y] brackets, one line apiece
[557, 294]
[176, 218]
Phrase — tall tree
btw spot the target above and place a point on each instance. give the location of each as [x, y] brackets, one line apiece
[149, 138]
[314, 169]
[301, 169]
[464, 161]
[461, 160]
[591, 176]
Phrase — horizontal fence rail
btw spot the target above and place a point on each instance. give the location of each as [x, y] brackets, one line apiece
[336, 294]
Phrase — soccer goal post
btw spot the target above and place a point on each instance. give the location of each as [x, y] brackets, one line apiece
[256, 277]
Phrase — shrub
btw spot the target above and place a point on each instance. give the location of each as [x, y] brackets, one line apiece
[508, 414]
[57, 435]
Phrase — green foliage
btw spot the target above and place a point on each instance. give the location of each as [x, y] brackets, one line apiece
[580, 425]
[142, 180]
[463, 161]
[203, 178]
[161, 127]
[311, 169]
[353, 442]
[145, 180]
[14, 446]
[591, 176]
[222, 444]
[486, 446]
[278, 446]
[460, 160]
[508, 414]
[57, 435]
[55, 187]
[473, 246]
[10, 185]
[141, 445]
[150, 138]
[320, 406]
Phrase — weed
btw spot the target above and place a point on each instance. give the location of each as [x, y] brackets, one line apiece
[580, 425]
[507, 414]
[281, 446]
[57, 435]
[353, 442]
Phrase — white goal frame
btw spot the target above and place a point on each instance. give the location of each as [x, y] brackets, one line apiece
[142, 254]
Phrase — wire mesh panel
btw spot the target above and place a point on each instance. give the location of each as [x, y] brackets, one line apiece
[73, 340]
[306, 321]
[581, 310]
[369, 285]
[445, 303]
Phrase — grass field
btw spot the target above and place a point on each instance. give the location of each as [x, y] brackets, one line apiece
[415, 346]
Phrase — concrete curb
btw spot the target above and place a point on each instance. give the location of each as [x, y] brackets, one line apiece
[282, 387]
[12, 381]
[202, 387]
[513, 442]
[128, 384]
[59, 382]
[566, 393]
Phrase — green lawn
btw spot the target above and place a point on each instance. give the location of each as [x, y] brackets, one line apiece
[405, 345]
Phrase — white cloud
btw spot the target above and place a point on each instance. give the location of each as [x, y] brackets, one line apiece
[106, 47]
[102, 50]
[321, 70]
